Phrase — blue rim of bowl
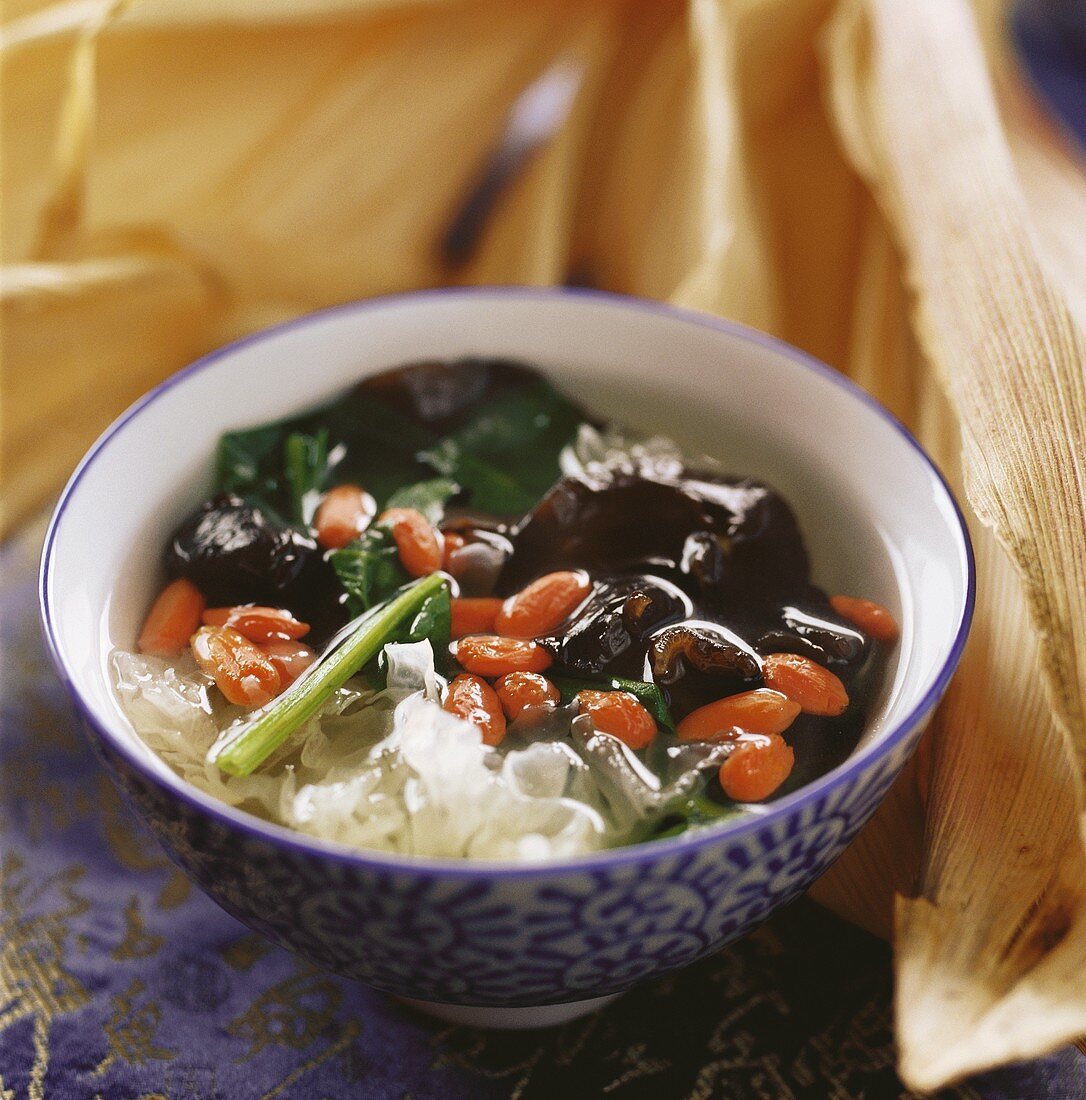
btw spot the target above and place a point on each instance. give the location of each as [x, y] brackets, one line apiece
[313, 847]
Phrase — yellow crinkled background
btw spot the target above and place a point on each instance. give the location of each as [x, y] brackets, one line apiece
[865, 178]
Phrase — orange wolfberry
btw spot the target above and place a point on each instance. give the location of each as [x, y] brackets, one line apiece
[520, 690]
[490, 655]
[453, 542]
[344, 514]
[757, 767]
[290, 659]
[417, 540]
[474, 700]
[545, 603]
[258, 624]
[620, 714]
[872, 618]
[473, 615]
[815, 688]
[758, 711]
[242, 672]
[173, 619]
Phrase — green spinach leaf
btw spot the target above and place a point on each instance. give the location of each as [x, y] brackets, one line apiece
[427, 497]
[279, 470]
[369, 569]
[699, 809]
[490, 489]
[506, 454]
[500, 446]
[433, 623]
[246, 464]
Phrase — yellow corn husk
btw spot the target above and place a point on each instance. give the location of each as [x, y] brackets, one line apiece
[990, 954]
[868, 179]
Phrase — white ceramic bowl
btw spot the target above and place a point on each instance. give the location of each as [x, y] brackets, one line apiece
[477, 938]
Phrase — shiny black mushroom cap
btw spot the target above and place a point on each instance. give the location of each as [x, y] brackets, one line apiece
[729, 535]
[233, 551]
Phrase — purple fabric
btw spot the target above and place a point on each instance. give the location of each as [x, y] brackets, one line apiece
[119, 979]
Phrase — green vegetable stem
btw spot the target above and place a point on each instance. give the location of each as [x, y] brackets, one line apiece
[305, 461]
[253, 743]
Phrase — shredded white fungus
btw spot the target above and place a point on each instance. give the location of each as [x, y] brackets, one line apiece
[599, 454]
[389, 770]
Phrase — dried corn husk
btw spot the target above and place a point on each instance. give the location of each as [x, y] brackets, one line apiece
[995, 972]
[869, 179]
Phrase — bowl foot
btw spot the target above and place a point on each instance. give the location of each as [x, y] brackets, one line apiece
[510, 1019]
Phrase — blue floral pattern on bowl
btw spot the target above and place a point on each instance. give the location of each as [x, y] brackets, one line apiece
[467, 935]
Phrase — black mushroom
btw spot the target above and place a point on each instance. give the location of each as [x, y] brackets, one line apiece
[235, 553]
[706, 647]
[603, 527]
[233, 550]
[815, 631]
[696, 575]
[729, 536]
[478, 564]
[609, 632]
[440, 394]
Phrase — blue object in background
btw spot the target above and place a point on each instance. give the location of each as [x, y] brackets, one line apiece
[1051, 40]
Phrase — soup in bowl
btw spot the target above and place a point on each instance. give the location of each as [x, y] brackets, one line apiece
[503, 648]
